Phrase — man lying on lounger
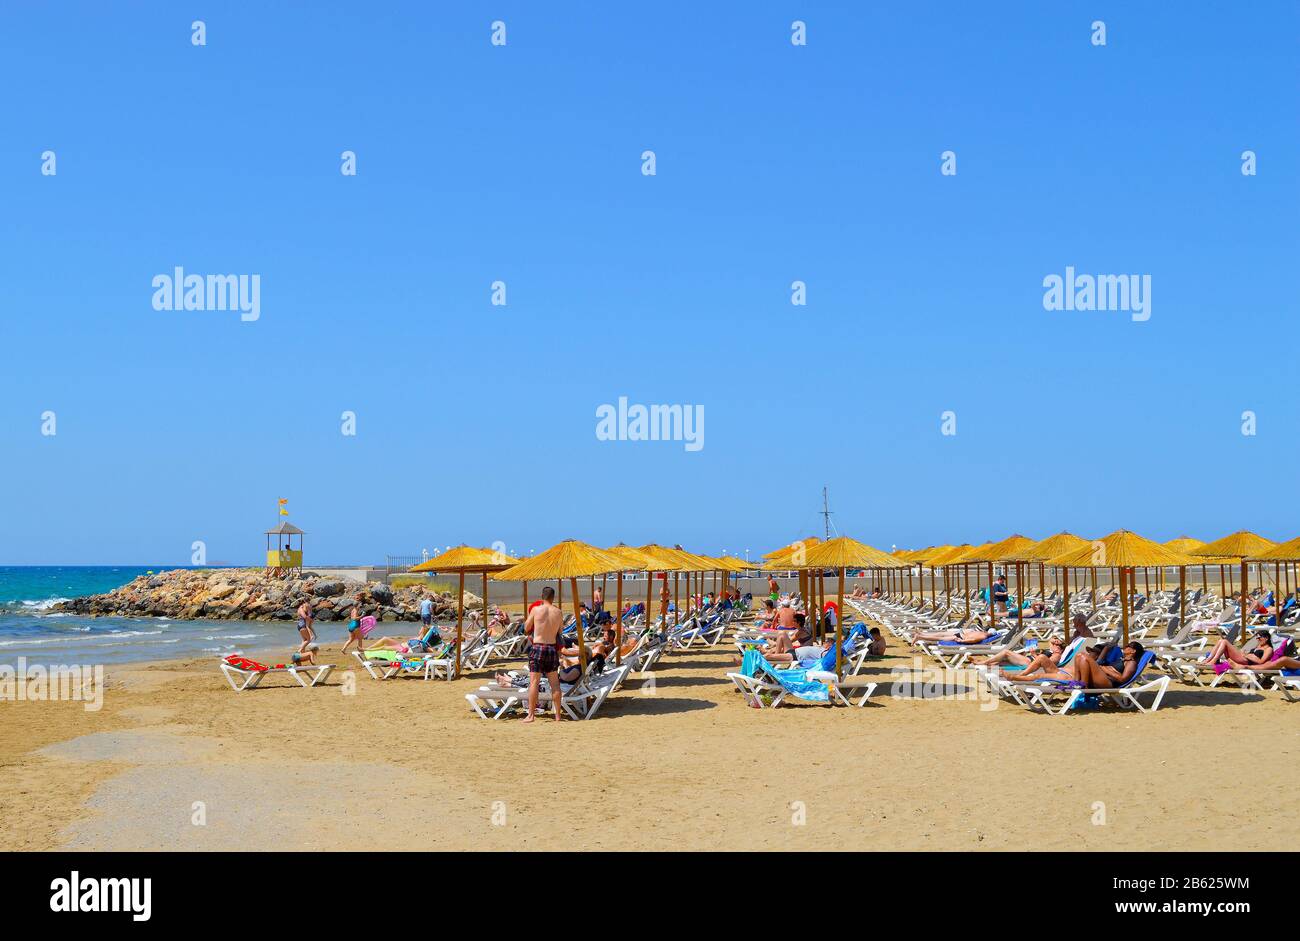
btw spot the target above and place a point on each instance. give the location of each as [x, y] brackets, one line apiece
[1035, 609]
[973, 635]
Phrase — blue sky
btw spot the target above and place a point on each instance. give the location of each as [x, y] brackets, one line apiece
[522, 164]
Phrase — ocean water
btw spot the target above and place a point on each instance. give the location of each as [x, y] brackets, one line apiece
[30, 629]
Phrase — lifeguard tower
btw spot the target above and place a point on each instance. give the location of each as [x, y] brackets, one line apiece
[281, 557]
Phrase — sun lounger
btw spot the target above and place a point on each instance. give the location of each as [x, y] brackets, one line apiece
[580, 700]
[386, 664]
[759, 678]
[1057, 699]
[248, 674]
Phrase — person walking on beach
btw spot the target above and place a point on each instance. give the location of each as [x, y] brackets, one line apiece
[354, 630]
[544, 624]
[305, 628]
[773, 589]
[426, 612]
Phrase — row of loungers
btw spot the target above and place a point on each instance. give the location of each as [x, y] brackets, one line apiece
[1179, 654]
[581, 699]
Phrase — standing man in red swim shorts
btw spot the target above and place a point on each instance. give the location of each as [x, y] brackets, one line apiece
[544, 624]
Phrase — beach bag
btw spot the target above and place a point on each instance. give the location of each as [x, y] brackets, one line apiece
[366, 625]
[1088, 701]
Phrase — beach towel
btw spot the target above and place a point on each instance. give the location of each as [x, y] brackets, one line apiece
[243, 663]
[795, 681]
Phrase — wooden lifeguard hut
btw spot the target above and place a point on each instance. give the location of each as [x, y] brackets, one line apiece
[281, 557]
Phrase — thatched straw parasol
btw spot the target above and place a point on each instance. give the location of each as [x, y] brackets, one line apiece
[945, 558]
[1236, 548]
[1185, 545]
[791, 557]
[996, 552]
[467, 559]
[925, 558]
[1125, 551]
[1283, 556]
[843, 553]
[569, 559]
[637, 561]
[1049, 548]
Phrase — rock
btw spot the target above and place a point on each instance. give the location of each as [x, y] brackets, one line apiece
[189, 594]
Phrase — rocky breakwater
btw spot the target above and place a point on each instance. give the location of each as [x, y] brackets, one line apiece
[252, 595]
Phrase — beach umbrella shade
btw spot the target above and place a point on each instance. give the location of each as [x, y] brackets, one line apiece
[946, 559]
[1014, 551]
[1124, 551]
[842, 553]
[465, 560]
[1049, 548]
[636, 561]
[1237, 547]
[1185, 545]
[1283, 554]
[570, 559]
[677, 561]
[993, 552]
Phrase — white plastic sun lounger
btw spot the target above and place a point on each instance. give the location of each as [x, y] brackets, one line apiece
[241, 679]
[754, 688]
[581, 700]
[1058, 699]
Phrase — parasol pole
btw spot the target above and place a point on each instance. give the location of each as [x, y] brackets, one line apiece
[1123, 603]
[1182, 596]
[965, 574]
[577, 619]
[649, 601]
[1020, 598]
[839, 622]
[485, 604]
[618, 627]
[1065, 626]
[460, 621]
[993, 608]
[1242, 639]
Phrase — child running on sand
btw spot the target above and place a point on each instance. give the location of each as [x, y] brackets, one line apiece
[354, 630]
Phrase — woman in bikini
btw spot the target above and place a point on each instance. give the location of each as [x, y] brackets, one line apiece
[1225, 652]
[1084, 669]
[1016, 658]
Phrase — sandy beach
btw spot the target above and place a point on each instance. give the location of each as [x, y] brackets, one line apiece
[176, 760]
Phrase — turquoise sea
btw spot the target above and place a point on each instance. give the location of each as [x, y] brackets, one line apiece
[30, 629]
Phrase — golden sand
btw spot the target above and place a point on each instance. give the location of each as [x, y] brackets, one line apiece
[177, 760]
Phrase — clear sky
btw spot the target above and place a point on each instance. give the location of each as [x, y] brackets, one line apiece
[523, 163]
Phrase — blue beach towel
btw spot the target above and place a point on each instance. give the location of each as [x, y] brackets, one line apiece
[794, 681]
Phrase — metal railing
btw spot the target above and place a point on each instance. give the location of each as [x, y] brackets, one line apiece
[400, 563]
